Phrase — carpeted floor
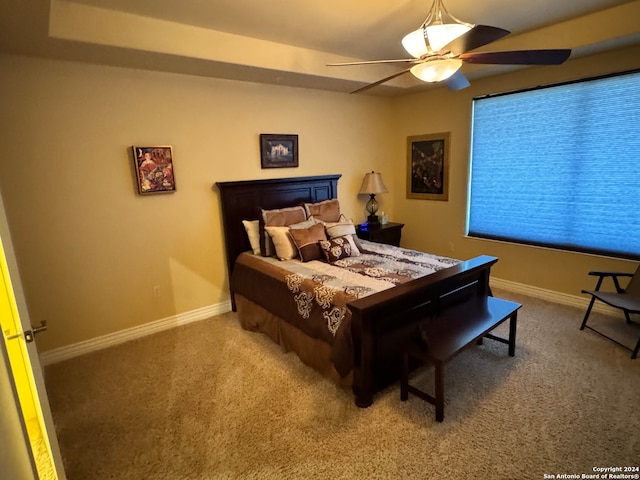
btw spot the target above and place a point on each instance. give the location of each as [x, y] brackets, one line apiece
[212, 401]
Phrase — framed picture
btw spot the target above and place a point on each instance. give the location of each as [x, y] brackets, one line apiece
[154, 169]
[278, 151]
[428, 166]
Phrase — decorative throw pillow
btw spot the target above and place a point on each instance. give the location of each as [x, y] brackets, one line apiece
[278, 217]
[253, 232]
[306, 241]
[327, 211]
[337, 248]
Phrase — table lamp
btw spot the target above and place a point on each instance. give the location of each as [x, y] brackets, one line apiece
[371, 185]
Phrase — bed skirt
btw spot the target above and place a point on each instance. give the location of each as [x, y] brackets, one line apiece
[312, 352]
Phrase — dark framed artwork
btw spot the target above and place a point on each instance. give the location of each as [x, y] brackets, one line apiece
[428, 166]
[278, 151]
[154, 169]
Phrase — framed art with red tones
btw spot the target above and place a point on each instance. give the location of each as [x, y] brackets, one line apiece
[154, 169]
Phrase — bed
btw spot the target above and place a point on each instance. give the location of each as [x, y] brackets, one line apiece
[364, 352]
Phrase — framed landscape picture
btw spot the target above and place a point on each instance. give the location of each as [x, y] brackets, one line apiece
[428, 166]
[278, 151]
[154, 169]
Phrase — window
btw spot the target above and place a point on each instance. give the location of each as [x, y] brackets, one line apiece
[559, 166]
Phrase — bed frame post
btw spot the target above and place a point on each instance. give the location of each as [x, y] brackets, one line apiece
[363, 368]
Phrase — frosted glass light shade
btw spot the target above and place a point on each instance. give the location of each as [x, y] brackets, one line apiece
[438, 30]
[436, 70]
[415, 43]
[440, 35]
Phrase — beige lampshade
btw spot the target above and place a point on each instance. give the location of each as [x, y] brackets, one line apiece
[372, 183]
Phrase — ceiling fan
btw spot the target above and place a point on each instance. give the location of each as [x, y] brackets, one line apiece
[443, 43]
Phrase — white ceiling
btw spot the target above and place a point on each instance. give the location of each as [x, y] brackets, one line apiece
[289, 42]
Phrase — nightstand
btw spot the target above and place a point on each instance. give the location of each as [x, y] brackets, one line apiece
[388, 233]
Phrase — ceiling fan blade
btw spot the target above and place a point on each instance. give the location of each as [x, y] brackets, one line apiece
[368, 62]
[386, 79]
[476, 37]
[457, 82]
[519, 57]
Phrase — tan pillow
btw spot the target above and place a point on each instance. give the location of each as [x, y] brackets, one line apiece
[278, 217]
[306, 241]
[284, 247]
[327, 211]
[283, 244]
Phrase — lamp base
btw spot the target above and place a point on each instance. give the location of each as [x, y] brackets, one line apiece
[373, 219]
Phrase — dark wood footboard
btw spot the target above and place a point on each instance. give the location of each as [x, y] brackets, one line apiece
[382, 323]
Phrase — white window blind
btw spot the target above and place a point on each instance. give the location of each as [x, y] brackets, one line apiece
[559, 166]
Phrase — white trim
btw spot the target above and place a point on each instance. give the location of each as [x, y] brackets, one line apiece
[116, 338]
[553, 296]
[109, 340]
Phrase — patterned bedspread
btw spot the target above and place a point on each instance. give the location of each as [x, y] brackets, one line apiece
[314, 295]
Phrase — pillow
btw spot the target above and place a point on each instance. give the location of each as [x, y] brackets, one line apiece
[340, 229]
[283, 246]
[278, 217]
[306, 224]
[253, 232]
[327, 211]
[284, 216]
[338, 248]
[306, 241]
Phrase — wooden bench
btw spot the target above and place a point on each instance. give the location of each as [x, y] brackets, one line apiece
[450, 332]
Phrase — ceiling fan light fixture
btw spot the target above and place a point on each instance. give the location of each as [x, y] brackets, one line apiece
[441, 35]
[415, 43]
[436, 70]
[439, 29]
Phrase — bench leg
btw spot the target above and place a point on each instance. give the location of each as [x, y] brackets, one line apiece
[513, 321]
[404, 378]
[439, 391]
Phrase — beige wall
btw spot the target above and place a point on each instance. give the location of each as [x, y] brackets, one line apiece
[90, 249]
[439, 227]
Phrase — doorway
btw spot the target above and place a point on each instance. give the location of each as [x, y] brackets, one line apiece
[20, 365]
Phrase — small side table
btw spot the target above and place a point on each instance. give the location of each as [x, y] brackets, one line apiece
[388, 233]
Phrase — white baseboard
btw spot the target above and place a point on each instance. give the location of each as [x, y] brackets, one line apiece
[581, 302]
[81, 348]
[88, 346]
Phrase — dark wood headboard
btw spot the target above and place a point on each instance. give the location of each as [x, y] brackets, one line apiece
[243, 200]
